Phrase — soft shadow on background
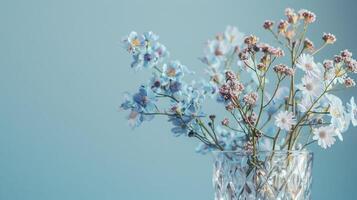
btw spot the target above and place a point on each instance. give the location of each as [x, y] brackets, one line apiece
[62, 76]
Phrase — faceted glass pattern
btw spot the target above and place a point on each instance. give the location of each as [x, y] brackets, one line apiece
[278, 175]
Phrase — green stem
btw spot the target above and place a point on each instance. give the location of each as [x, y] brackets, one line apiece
[319, 49]
[276, 138]
[275, 91]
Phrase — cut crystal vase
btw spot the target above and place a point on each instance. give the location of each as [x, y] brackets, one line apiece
[268, 175]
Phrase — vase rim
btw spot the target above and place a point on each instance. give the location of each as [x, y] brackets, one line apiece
[264, 152]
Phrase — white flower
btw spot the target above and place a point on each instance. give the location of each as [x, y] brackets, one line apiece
[285, 120]
[324, 136]
[311, 87]
[306, 63]
[217, 47]
[233, 35]
[216, 77]
[352, 111]
[339, 118]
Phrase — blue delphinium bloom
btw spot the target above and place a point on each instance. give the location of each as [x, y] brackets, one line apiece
[174, 86]
[155, 82]
[187, 111]
[181, 124]
[174, 70]
[141, 106]
[144, 97]
[134, 43]
[145, 49]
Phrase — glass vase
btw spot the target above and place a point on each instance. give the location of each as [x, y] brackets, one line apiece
[270, 175]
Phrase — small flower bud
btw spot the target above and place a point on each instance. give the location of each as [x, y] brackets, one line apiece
[291, 15]
[230, 107]
[283, 26]
[225, 122]
[250, 98]
[268, 24]
[243, 56]
[337, 59]
[308, 45]
[351, 65]
[349, 82]
[329, 38]
[320, 120]
[191, 133]
[230, 76]
[308, 16]
[277, 52]
[289, 71]
[251, 40]
[279, 68]
[251, 119]
[328, 64]
[212, 117]
[345, 54]
[264, 47]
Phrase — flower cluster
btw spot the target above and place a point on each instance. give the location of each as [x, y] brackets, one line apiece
[295, 108]
[147, 52]
[183, 100]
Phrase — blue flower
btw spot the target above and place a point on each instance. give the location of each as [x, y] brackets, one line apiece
[127, 103]
[150, 38]
[141, 106]
[181, 124]
[174, 86]
[186, 111]
[156, 83]
[144, 97]
[173, 71]
[147, 52]
[133, 43]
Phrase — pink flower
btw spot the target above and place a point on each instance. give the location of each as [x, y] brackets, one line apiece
[225, 122]
[250, 98]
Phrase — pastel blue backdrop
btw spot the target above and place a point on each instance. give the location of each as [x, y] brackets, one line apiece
[61, 81]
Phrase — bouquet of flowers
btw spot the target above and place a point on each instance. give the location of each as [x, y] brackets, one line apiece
[295, 109]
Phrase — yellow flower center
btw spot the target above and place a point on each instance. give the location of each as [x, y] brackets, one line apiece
[171, 72]
[135, 42]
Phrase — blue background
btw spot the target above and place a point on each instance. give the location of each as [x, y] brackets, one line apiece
[61, 81]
